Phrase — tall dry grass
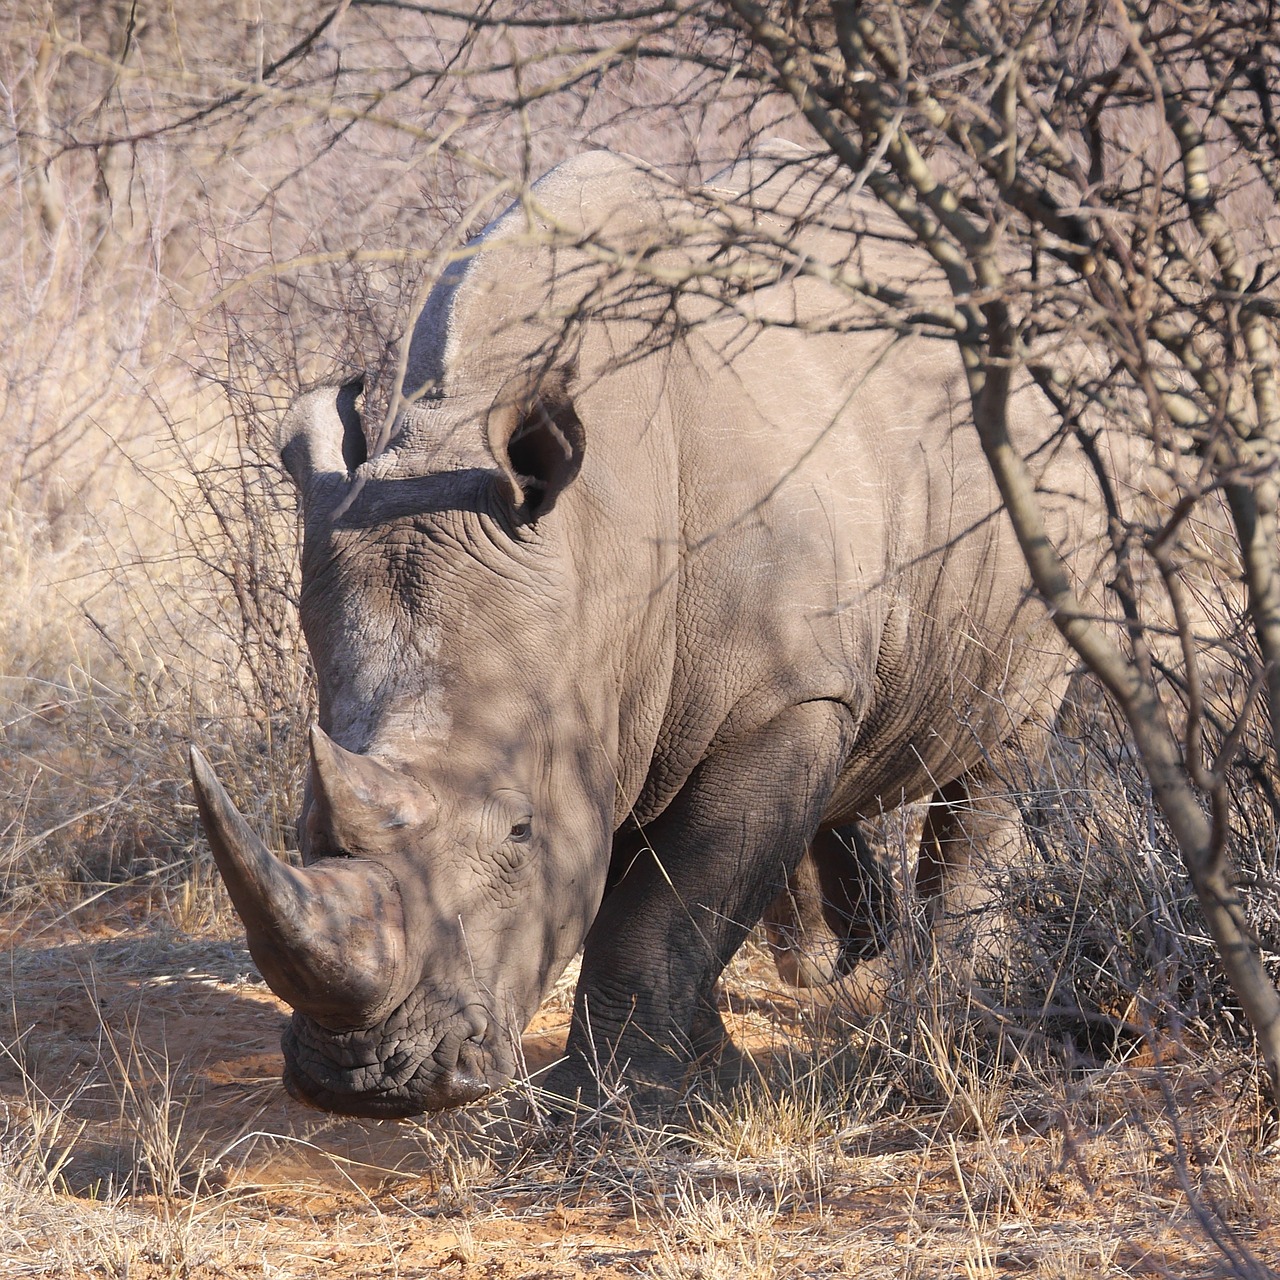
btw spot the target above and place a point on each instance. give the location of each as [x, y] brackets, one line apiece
[188, 245]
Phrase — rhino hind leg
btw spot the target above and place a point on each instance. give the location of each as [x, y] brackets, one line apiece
[833, 926]
[974, 839]
[835, 910]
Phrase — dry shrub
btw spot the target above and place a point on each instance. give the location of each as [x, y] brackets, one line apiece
[190, 244]
[148, 542]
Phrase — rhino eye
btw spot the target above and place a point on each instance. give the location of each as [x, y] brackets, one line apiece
[520, 832]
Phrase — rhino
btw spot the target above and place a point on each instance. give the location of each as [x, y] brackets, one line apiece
[672, 566]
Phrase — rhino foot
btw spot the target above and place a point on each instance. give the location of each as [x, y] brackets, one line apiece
[577, 1090]
[576, 1093]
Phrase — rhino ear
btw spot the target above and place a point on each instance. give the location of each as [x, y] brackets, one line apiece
[537, 441]
[321, 436]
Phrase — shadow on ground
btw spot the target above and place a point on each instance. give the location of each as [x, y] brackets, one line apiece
[162, 1054]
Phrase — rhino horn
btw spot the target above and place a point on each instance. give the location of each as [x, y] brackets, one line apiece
[361, 805]
[329, 938]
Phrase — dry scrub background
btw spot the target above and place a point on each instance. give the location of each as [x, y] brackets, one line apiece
[188, 238]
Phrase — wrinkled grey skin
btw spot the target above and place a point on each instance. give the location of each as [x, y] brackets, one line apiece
[626, 619]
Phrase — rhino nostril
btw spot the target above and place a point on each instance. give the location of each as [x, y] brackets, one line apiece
[460, 1086]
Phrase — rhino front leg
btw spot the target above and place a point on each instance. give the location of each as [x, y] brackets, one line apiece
[699, 879]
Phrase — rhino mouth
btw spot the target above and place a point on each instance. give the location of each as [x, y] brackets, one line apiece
[392, 1070]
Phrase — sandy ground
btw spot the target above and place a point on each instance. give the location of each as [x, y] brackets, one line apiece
[147, 1134]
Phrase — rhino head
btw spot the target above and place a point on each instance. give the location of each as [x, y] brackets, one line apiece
[462, 788]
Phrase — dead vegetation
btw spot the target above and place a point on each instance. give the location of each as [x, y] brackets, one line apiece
[145, 1134]
[164, 298]
[1114, 1131]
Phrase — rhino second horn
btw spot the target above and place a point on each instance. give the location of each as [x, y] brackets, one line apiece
[328, 938]
[363, 805]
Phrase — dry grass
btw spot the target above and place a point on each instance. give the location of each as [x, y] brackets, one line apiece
[146, 1134]
[1109, 1128]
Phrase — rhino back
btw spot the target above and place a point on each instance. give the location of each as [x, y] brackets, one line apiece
[776, 506]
